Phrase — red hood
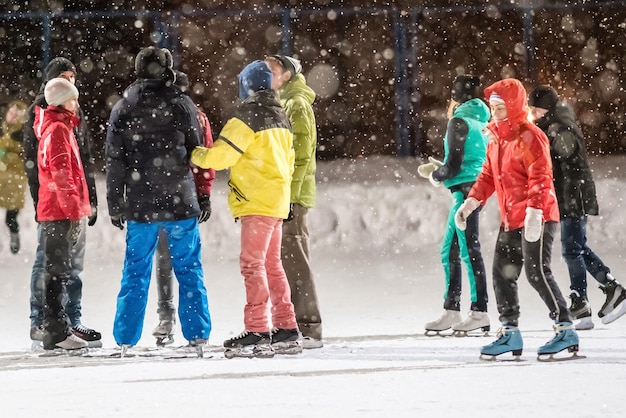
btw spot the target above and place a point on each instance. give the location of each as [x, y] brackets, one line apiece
[45, 117]
[514, 95]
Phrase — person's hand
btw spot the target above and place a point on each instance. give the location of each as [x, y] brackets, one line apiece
[464, 211]
[118, 221]
[425, 170]
[91, 219]
[290, 216]
[205, 208]
[533, 224]
[74, 232]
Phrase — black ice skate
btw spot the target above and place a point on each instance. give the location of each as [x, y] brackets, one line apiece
[163, 332]
[580, 312]
[286, 341]
[249, 344]
[92, 337]
[615, 305]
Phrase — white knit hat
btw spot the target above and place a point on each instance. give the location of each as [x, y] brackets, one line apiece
[495, 99]
[59, 90]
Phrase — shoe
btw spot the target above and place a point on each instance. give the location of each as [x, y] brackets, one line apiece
[444, 322]
[15, 242]
[310, 343]
[580, 312]
[85, 333]
[72, 342]
[474, 321]
[36, 333]
[248, 338]
[565, 338]
[509, 340]
[615, 305]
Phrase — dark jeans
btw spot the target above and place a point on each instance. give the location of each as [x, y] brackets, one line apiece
[512, 252]
[579, 258]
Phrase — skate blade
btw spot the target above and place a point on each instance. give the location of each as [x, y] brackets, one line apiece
[290, 347]
[498, 358]
[256, 351]
[163, 341]
[478, 332]
[61, 352]
[436, 333]
[553, 357]
[616, 314]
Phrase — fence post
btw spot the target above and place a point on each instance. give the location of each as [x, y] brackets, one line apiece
[401, 87]
[46, 21]
[287, 34]
[529, 43]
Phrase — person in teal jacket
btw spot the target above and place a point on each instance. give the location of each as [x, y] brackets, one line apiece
[297, 100]
[465, 149]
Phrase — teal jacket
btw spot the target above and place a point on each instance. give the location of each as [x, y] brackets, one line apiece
[465, 145]
[297, 99]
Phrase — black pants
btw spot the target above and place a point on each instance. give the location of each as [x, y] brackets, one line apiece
[11, 220]
[512, 252]
[58, 271]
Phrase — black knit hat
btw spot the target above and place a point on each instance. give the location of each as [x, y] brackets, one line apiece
[465, 87]
[544, 97]
[58, 66]
[155, 63]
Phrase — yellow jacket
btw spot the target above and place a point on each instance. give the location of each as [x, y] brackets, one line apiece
[257, 144]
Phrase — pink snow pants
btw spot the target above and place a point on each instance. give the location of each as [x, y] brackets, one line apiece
[264, 276]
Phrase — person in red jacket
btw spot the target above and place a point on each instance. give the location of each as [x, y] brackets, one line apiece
[63, 202]
[519, 170]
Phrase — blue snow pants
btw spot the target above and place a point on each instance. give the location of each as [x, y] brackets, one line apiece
[193, 305]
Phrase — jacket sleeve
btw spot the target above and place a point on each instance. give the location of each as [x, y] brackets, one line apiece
[232, 142]
[564, 145]
[304, 140]
[116, 167]
[457, 135]
[538, 163]
[204, 177]
[83, 136]
[31, 145]
[59, 157]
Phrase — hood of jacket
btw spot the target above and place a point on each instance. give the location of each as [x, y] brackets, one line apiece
[515, 98]
[474, 109]
[297, 87]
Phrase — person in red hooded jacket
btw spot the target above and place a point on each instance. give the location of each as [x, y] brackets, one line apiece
[63, 202]
[519, 170]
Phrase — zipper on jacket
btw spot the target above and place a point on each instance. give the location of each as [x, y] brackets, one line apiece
[240, 196]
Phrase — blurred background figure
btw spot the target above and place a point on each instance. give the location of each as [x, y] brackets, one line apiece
[12, 174]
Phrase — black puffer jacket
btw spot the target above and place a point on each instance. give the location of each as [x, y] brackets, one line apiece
[150, 136]
[575, 189]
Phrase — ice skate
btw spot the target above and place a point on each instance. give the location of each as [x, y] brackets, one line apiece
[565, 339]
[14, 243]
[615, 305]
[310, 343]
[198, 344]
[163, 332]
[92, 337]
[509, 340]
[249, 344]
[124, 348]
[286, 341]
[580, 312]
[442, 323]
[71, 342]
[475, 320]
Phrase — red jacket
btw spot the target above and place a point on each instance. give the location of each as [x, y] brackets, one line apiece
[518, 166]
[63, 192]
[204, 177]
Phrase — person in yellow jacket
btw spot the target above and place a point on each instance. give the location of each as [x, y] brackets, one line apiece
[297, 98]
[257, 145]
[12, 174]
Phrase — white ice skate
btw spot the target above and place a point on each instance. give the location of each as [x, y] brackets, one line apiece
[442, 323]
[475, 320]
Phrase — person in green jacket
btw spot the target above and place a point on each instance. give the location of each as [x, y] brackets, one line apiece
[465, 149]
[297, 100]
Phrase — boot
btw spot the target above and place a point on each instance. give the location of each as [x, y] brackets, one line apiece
[565, 338]
[509, 340]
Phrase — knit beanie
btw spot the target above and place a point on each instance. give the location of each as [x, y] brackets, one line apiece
[290, 64]
[59, 90]
[465, 87]
[57, 66]
[155, 63]
[254, 77]
[495, 99]
[544, 97]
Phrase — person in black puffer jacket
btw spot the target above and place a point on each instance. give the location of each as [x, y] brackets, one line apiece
[576, 194]
[150, 136]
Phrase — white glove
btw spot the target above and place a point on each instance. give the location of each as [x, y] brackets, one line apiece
[533, 224]
[434, 182]
[464, 211]
[425, 170]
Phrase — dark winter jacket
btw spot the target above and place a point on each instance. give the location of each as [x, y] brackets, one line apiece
[150, 136]
[575, 189]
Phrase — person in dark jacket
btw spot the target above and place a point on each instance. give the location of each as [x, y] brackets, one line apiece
[576, 194]
[150, 184]
[59, 67]
[465, 152]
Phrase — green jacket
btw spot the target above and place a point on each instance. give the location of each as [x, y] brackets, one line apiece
[297, 99]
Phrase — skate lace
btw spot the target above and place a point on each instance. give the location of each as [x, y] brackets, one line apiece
[500, 333]
[243, 334]
[82, 328]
